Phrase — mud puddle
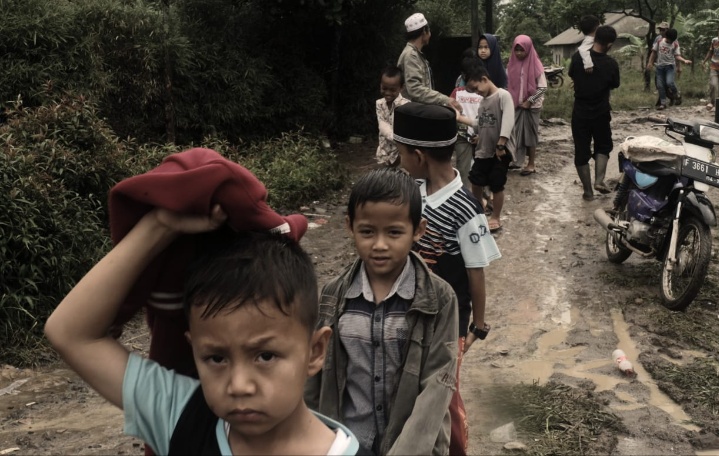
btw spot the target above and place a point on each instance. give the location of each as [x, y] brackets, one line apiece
[556, 318]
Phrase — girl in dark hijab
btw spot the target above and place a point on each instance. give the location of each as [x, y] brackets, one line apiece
[488, 51]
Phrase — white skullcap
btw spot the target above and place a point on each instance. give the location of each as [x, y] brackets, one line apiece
[415, 22]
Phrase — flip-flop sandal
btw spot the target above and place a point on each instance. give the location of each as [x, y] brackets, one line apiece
[494, 226]
[527, 172]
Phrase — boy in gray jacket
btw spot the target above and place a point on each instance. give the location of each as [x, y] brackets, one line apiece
[391, 363]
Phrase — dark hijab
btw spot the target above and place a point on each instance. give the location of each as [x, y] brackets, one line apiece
[494, 63]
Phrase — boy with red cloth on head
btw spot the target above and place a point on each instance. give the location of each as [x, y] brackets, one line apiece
[250, 333]
[188, 183]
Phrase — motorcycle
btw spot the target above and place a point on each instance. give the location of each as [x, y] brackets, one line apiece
[661, 210]
[554, 76]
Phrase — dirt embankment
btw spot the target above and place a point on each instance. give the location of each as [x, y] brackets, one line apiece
[557, 307]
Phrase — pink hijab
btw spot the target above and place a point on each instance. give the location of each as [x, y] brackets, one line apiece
[531, 66]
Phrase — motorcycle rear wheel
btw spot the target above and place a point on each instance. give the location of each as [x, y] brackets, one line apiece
[555, 81]
[681, 284]
[616, 253]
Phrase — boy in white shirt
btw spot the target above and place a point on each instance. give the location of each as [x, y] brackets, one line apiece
[666, 53]
[391, 86]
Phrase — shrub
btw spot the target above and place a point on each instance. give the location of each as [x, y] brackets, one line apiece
[58, 162]
[294, 167]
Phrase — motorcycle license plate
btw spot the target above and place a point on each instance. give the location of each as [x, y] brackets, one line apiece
[700, 171]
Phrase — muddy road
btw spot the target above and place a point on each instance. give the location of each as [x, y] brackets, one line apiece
[557, 307]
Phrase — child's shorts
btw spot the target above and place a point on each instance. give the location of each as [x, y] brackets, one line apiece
[490, 172]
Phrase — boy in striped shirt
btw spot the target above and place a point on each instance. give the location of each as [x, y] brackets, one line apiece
[457, 243]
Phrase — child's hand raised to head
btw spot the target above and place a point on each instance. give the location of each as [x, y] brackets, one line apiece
[189, 224]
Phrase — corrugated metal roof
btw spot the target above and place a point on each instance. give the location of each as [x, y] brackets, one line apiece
[621, 23]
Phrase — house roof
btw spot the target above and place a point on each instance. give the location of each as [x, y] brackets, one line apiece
[621, 23]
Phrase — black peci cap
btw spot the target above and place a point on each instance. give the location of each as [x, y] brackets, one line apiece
[423, 125]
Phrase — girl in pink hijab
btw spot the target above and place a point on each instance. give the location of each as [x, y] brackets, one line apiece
[527, 85]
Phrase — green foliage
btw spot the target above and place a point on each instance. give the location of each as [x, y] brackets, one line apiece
[629, 96]
[294, 167]
[58, 162]
[558, 102]
[528, 17]
[183, 69]
[651, 11]
[635, 48]
[67, 143]
[39, 43]
[696, 32]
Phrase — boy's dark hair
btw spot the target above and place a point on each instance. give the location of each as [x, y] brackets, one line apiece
[605, 35]
[588, 24]
[476, 73]
[386, 185]
[671, 35]
[440, 154]
[468, 64]
[232, 269]
[414, 34]
[392, 71]
[469, 52]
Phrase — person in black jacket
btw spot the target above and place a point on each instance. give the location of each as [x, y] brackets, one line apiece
[591, 115]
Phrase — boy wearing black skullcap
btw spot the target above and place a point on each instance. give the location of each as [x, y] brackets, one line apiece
[457, 244]
[392, 357]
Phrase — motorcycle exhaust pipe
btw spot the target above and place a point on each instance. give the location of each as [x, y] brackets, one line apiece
[605, 220]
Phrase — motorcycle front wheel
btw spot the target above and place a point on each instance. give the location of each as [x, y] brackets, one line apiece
[616, 253]
[681, 282]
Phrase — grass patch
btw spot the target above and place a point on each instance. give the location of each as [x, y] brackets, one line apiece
[629, 96]
[695, 328]
[559, 419]
[696, 383]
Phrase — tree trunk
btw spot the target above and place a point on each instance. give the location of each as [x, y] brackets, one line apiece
[335, 75]
[474, 11]
[168, 98]
[488, 16]
[647, 72]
